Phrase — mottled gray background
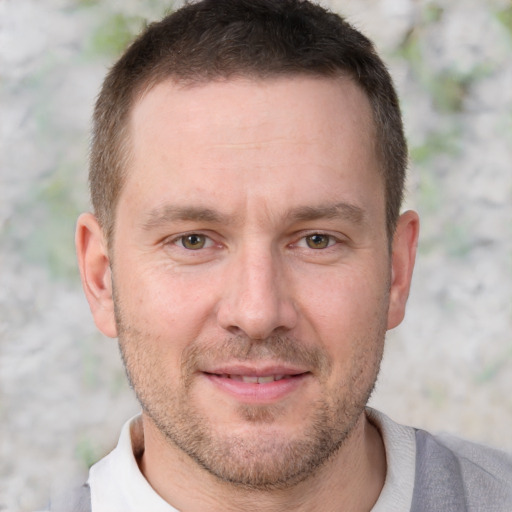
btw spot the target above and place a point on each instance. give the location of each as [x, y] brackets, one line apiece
[63, 395]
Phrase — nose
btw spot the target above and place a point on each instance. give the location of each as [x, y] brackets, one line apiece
[256, 299]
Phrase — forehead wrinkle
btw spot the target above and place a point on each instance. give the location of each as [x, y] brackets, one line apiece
[173, 213]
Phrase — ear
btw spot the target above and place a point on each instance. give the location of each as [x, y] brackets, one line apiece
[405, 242]
[94, 263]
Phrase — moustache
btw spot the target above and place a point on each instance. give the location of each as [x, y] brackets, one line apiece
[281, 349]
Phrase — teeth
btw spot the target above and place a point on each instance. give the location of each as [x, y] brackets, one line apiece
[249, 379]
[253, 379]
[264, 380]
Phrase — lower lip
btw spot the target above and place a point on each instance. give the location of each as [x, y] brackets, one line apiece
[258, 393]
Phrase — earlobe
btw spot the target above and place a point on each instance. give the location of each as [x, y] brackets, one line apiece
[94, 264]
[405, 242]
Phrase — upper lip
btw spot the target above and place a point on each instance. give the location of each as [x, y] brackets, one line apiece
[255, 370]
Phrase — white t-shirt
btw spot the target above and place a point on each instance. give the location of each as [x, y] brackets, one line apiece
[117, 485]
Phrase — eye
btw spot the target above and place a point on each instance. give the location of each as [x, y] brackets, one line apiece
[193, 241]
[319, 241]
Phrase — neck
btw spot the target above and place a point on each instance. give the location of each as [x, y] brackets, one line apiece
[351, 480]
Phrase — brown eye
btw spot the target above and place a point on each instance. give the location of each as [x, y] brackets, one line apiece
[318, 241]
[193, 241]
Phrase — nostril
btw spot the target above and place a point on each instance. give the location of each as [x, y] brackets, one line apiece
[256, 301]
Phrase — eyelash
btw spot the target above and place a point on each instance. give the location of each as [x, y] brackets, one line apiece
[180, 241]
[302, 242]
[331, 240]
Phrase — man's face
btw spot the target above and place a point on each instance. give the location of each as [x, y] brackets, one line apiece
[251, 271]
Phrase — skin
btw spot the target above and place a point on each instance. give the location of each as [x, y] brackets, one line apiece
[251, 240]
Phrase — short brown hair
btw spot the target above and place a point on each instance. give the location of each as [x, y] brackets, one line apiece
[221, 39]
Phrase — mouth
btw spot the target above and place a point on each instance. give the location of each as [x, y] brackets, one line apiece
[255, 379]
[257, 386]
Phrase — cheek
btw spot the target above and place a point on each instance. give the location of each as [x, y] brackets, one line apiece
[346, 313]
[164, 304]
[344, 298]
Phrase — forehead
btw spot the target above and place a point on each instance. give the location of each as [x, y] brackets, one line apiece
[200, 107]
[253, 139]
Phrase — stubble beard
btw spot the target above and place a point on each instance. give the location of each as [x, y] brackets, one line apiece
[263, 459]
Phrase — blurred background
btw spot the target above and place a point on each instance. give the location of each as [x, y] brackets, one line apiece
[63, 395]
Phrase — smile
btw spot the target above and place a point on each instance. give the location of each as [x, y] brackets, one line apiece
[257, 386]
[255, 379]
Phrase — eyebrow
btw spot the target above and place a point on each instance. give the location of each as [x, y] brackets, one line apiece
[170, 213]
[347, 211]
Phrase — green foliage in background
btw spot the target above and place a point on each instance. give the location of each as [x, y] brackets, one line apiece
[114, 33]
[505, 17]
[48, 240]
[115, 29]
[87, 451]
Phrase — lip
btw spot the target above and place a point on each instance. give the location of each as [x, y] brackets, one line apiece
[238, 382]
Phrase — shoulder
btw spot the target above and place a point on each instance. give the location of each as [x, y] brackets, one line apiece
[455, 471]
[474, 460]
[494, 462]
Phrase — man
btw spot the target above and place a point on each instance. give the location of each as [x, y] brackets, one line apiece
[247, 249]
